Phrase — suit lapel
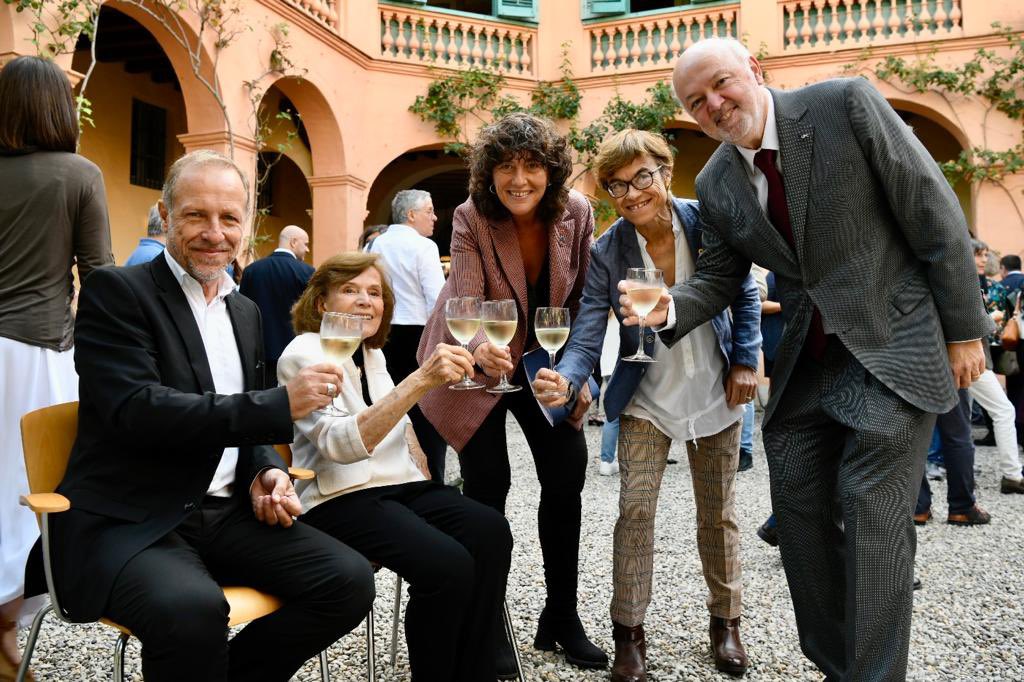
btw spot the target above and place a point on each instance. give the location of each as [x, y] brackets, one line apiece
[510, 259]
[247, 330]
[752, 227]
[178, 308]
[631, 256]
[796, 142]
[559, 244]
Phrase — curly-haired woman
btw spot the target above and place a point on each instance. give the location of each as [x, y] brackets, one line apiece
[521, 235]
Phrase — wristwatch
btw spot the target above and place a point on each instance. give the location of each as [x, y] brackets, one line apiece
[570, 395]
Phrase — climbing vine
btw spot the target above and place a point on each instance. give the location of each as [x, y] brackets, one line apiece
[995, 80]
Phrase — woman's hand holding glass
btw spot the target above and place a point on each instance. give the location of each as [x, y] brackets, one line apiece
[631, 317]
[446, 365]
[551, 388]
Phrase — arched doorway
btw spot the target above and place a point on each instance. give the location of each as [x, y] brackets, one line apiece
[138, 112]
[443, 175]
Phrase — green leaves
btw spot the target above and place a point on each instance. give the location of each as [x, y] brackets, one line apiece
[987, 75]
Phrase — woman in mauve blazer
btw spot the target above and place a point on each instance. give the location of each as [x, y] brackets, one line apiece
[522, 235]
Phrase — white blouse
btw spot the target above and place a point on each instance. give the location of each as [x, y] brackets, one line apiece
[332, 446]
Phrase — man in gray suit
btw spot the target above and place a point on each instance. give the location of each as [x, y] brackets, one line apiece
[830, 190]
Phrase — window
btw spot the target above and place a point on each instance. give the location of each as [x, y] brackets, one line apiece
[149, 145]
[596, 8]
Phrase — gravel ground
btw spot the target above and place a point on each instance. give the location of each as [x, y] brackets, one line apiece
[967, 619]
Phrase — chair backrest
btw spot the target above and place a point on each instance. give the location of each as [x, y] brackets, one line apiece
[47, 436]
[285, 451]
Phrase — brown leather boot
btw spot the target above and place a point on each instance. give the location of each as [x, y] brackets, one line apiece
[726, 647]
[630, 663]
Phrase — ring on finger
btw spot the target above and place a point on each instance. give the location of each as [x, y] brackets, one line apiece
[330, 389]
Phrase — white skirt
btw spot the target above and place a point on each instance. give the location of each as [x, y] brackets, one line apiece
[30, 378]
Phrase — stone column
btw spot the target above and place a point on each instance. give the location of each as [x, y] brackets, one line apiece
[339, 209]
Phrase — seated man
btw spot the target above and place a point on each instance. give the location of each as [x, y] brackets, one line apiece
[174, 490]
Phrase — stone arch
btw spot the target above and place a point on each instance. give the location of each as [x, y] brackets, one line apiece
[425, 167]
[321, 124]
[202, 111]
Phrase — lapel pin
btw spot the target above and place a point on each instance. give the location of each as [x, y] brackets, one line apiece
[805, 136]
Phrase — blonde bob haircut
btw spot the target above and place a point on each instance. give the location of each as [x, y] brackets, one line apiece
[622, 148]
[332, 273]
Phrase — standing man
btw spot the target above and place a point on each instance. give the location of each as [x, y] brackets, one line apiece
[174, 487]
[414, 265]
[152, 245]
[274, 284]
[829, 189]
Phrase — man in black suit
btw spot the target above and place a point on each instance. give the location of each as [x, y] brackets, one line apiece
[1012, 277]
[274, 284]
[174, 490]
[830, 190]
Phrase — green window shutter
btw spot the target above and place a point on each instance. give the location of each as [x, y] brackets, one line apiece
[515, 9]
[609, 6]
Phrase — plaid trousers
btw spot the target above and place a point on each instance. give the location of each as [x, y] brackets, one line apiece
[643, 452]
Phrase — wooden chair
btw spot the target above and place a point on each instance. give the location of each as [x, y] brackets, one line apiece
[47, 437]
[286, 454]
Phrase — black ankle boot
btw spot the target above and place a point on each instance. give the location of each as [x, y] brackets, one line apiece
[567, 630]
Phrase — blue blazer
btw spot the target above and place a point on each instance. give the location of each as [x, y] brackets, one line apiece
[616, 250]
[274, 284]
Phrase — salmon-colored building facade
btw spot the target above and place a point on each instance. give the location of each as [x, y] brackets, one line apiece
[344, 74]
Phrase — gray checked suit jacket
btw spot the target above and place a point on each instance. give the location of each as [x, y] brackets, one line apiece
[882, 247]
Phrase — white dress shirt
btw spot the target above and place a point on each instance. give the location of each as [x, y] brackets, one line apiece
[683, 393]
[222, 354]
[414, 267]
[769, 140]
[288, 251]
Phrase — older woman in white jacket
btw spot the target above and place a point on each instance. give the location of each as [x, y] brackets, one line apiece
[371, 489]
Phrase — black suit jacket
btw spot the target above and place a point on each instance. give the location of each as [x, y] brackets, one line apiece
[274, 283]
[151, 427]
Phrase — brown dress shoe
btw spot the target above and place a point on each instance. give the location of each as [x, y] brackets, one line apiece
[975, 516]
[1008, 486]
[730, 656]
[630, 664]
[922, 518]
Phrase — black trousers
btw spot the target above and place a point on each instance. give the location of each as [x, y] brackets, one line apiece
[560, 457]
[958, 455]
[455, 555]
[400, 352]
[169, 595]
[845, 459]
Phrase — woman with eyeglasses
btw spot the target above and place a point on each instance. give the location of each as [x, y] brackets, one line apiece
[694, 391]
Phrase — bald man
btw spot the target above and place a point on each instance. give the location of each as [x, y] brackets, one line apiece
[274, 283]
[828, 188]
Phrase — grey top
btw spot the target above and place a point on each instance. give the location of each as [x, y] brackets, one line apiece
[53, 215]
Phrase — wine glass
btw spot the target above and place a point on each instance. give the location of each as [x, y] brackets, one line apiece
[551, 326]
[463, 317]
[500, 319]
[340, 335]
[645, 286]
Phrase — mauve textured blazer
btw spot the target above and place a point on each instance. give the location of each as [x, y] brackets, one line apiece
[486, 262]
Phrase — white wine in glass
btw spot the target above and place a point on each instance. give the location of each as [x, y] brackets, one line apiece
[645, 287]
[340, 335]
[500, 319]
[463, 317]
[551, 326]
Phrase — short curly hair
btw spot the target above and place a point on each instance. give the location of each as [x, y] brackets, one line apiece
[334, 272]
[520, 135]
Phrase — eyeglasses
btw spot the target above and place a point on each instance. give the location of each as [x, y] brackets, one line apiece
[642, 180]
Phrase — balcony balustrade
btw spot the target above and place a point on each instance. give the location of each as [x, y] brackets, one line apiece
[813, 25]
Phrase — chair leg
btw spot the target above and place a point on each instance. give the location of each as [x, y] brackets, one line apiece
[371, 655]
[30, 645]
[510, 631]
[395, 615]
[325, 674]
[119, 647]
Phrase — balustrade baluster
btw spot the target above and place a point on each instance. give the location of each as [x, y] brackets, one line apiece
[648, 51]
[414, 40]
[805, 29]
[675, 47]
[940, 15]
[819, 20]
[893, 23]
[621, 54]
[925, 18]
[527, 60]
[387, 41]
[400, 40]
[848, 25]
[955, 15]
[789, 12]
[513, 53]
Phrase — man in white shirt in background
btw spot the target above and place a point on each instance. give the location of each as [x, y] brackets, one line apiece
[414, 266]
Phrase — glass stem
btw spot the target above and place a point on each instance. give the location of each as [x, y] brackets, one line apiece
[643, 318]
[552, 355]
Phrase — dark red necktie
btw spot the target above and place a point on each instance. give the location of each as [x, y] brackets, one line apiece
[764, 160]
